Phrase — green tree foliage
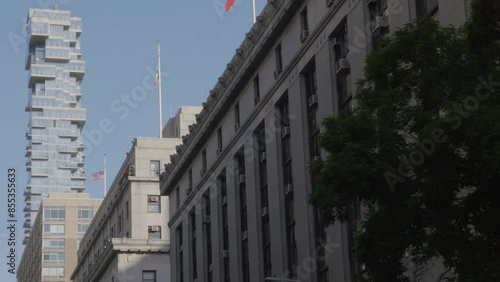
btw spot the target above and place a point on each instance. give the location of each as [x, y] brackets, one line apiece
[422, 152]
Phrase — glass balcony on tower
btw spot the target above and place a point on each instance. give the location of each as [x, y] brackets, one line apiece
[37, 31]
[57, 54]
[40, 73]
[76, 25]
[77, 69]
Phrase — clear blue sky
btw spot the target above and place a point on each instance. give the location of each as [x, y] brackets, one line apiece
[118, 43]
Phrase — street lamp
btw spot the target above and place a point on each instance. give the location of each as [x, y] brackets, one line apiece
[275, 279]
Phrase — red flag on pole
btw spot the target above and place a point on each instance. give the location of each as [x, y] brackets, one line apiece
[229, 3]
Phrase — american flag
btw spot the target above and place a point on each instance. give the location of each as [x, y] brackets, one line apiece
[98, 175]
[157, 78]
[229, 3]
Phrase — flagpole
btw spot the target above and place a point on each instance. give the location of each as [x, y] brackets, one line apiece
[104, 195]
[253, 9]
[159, 89]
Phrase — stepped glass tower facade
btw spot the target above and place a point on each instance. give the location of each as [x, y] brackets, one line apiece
[55, 160]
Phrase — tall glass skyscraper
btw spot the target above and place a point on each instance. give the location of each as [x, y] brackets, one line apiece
[55, 160]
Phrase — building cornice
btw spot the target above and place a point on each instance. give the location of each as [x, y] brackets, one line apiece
[249, 56]
[116, 246]
[274, 19]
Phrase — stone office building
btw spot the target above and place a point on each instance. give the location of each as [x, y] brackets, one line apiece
[239, 184]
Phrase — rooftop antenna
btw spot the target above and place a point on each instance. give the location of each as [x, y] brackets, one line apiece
[55, 5]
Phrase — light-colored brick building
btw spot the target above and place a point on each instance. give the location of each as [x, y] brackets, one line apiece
[50, 253]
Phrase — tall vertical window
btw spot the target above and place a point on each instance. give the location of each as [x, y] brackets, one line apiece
[241, 186]
[203, 162]
[120, 222]
[127, 211]
[54, 213]
[190, 179]
[178, 197]
[379, 17]
[303, 19]
[192, 217]
[221, 183]
[154, 168]
[279, 61]
[340, 46]
[353, 218]
[288, 187]
[180, 257]
[264, 200]
[256, 90]
[304, 25]
[149, 276]
[219, 140]
[312, 110]
[208, 237]
[314, 152]
[237, 116]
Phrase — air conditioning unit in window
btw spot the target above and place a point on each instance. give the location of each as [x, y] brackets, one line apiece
[265, 211]
[262, 156]
[378, 24]
[181, 248]
[210, 268]
[219, 151]
[288, 189]
[244, 235]
[313, 100]
[342, 65]
[335, 42]
[155, 228]
[206, 219]
[241, 179]
[131, 170]
[188, 191]
[225, 253]
[285, 131]
[154, 199]
[277, 73]
[304, 35]
[224, 200]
